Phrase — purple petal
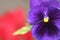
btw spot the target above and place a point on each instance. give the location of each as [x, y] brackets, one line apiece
[44, 31]
[54, 13]
[35, 16]
[57, 23]
[34, 3]
[53, 3]
[34, 30]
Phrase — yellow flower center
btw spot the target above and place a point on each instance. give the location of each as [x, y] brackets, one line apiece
[46, 19]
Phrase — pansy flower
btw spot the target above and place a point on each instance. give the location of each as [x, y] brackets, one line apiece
[44, 16]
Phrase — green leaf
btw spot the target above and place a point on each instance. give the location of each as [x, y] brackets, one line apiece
[23, 30]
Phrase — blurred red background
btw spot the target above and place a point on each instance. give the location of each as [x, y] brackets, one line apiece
[11, 21]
